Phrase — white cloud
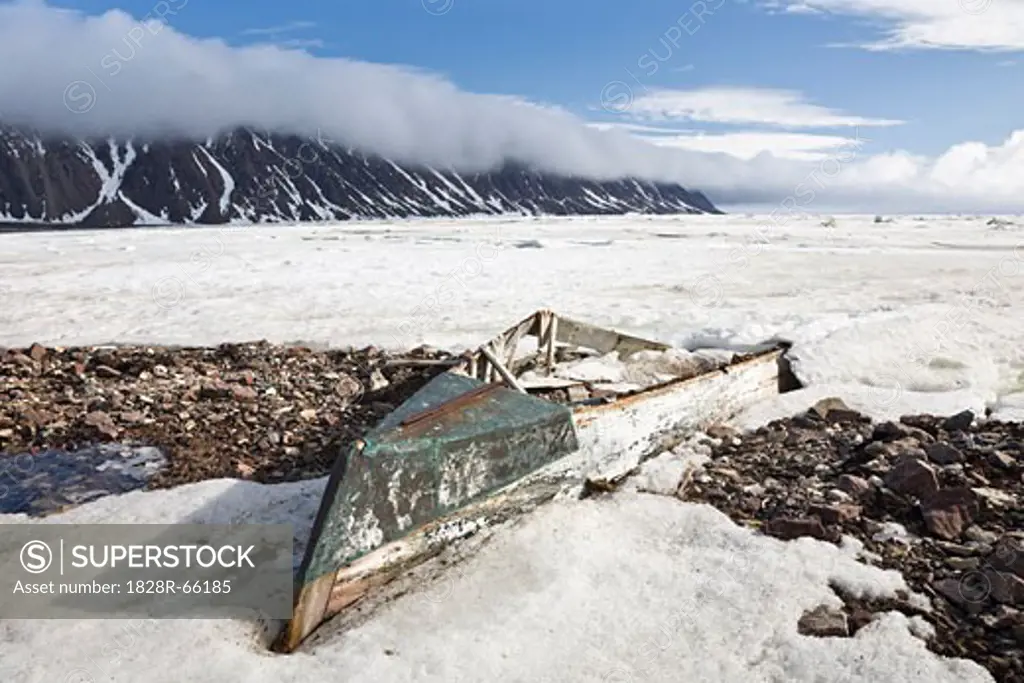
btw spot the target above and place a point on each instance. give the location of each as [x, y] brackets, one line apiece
[970, 176]
[149, 80]
[749, 144]
[280, 28]
[920, 24]
[734, 105]
[802, 8]
[300, 43]
[110, 74]
[640, 128]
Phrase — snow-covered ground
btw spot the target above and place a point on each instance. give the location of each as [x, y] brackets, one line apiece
[880, 309]
[911, 315]
[632, 588]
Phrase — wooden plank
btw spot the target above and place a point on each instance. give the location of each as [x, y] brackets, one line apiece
[603, 340]
[310, 611]
[423, 362]
[507, 341]
[550, 329]
[512, 342]
[549, 383]
[500, 369]
[552, 339]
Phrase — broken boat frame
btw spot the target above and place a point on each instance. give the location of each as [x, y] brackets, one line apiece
[474, 448]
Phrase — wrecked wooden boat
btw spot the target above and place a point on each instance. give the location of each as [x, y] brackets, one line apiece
[548, 406]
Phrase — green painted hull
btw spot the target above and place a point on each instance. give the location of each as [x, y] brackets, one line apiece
[455, 441]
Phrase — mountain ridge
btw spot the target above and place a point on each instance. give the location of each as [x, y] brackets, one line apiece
[248, 176]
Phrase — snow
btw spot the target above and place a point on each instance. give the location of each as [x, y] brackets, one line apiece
[891, 310]
[226, 179]
[917, 314]
[634, 587]
[110, 181]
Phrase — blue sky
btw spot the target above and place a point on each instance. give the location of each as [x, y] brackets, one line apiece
[920, 101]
[565, 52]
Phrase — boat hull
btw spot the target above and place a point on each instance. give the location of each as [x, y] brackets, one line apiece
[606, 443]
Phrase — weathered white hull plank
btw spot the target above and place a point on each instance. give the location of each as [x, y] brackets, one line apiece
[618, 436]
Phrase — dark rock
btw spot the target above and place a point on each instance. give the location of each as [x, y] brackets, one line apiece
[723, 432]
[1008, 555]
[888, 431]
[788, 529]
[839, 416]
[216, 390]
[227, 437]
[833, 409]
[967, 578]
[824, 622]
[34, 418]
[949, 511]
[836, 514]
[23, 360]
[983, 536]
[859, 618]
[960, 422]
[968, 592]
[917, 434]
[808, 421]
[1006, 588]
[879, 449]
[1002, 461]
[37, 352]
[963, 564]
[243, 393]
[911, 477]
[102, 423]
[106, 372]
[853, 485]
[904, 452]
[132, 417]
[943, 454]
[926, 423]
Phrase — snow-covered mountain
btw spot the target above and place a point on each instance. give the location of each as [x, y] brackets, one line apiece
[249, 176]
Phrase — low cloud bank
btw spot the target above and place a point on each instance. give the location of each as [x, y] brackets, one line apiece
[114, 74]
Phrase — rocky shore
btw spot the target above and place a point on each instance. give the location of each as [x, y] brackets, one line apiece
[938, 499]
[258, 411]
